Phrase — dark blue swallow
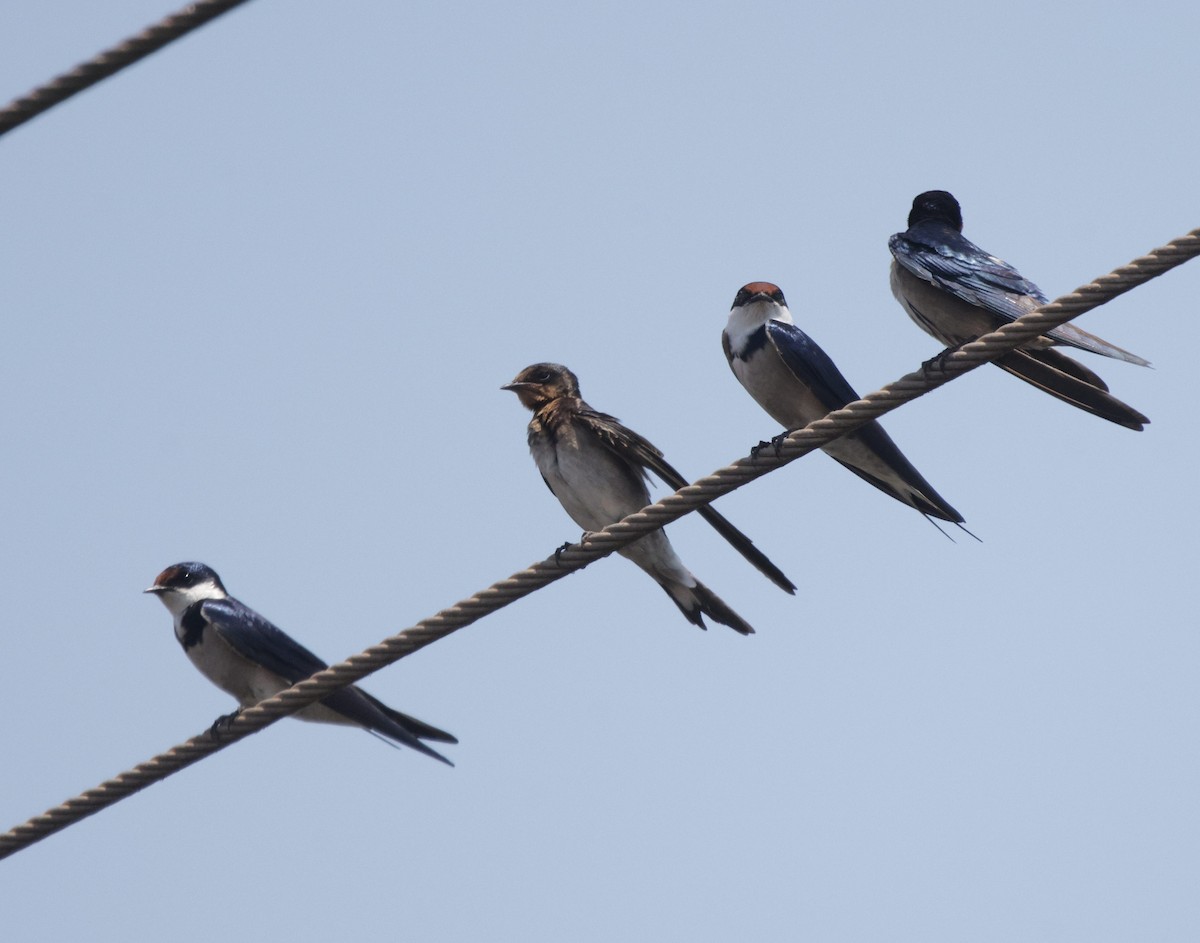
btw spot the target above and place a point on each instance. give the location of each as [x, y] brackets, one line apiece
[250, 658]
[957, 292]
[794, 380]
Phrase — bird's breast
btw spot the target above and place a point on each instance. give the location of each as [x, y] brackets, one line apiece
[776, 389]
[594, 486]
[937, 312]
[245, 680]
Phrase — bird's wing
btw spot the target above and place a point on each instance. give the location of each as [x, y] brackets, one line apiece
[626, 444]
[638, 451]
[263, 643]
[260, 641]
[810, 365]
[1074, 336]
[813, 368]
[953, 263]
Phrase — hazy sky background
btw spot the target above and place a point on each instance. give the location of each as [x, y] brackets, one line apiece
[261, 291]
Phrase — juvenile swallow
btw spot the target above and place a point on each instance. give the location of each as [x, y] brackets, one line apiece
[246, 656]
[597, 467]
[957, 292]
[796, 383]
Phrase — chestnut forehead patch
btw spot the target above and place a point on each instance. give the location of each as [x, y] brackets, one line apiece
[170, 575]
[747, 292]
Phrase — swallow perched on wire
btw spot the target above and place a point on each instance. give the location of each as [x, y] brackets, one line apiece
[956, 292]
[794, 380]
[246, 656]
[597, 467]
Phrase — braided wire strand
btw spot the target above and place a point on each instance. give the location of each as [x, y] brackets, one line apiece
[111, 61]
[605, 542]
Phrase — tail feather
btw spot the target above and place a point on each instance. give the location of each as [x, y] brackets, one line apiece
[745, 546]
[1065, 381]
[923, 499]
[698, 601]
[1060, 361]
[389, 735]
[872, 446]
[418, 728]
[392, 726]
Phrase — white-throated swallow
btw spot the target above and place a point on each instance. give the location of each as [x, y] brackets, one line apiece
[956, 292]
[248, 657]
[597, 467]
[794, 380]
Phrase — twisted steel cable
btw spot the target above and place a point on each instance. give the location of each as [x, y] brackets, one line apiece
[111, 61]
[929, 377]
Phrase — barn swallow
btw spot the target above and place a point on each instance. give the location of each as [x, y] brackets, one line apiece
[597, 467]
[796, 383]
[957, 292]
[246, 656]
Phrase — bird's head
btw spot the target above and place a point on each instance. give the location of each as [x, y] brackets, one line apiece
[543, 383]
[936, 206]
[183, 584]
[754, 305]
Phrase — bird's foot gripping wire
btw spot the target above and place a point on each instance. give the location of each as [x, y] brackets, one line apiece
[583, 539]
[938, 362]
[776, 443]
[221, 725]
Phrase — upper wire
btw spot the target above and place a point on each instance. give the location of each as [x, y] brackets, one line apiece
[110, 61]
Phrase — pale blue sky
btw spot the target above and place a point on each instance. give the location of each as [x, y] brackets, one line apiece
[262, 290]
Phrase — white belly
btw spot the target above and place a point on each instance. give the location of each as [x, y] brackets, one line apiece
[775, 388]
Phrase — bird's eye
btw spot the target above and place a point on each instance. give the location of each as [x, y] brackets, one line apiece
[542, 376]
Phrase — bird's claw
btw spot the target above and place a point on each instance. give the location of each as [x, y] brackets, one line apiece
[758, 448]
[775, 443]
[938, 361]
[221, 725]
[587, 535]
